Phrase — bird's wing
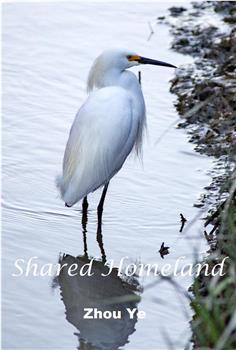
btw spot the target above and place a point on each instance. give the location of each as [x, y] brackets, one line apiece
[101, 137]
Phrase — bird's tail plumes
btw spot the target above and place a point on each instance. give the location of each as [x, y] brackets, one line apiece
[72, 191]
[61, 185]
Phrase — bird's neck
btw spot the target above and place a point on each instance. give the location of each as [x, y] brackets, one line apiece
[99, 78]
[129, 81]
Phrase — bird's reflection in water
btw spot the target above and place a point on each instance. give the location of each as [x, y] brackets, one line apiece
[105, 293]
[110, 293]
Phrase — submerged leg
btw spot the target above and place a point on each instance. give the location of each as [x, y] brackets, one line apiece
[100, 238]
[84, 224]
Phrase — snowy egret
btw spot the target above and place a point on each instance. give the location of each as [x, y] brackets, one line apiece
[107, 127]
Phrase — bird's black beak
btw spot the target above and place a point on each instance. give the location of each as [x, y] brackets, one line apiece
[145, 60]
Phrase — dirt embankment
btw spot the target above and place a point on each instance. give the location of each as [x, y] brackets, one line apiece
[206, 92]
[207, 89]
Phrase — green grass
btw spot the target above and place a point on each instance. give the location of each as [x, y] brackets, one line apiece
[214, 302]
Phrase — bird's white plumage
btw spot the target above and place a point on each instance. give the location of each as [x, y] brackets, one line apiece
[106, 128]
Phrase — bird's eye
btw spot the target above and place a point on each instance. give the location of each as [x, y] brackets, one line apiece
[129, 57]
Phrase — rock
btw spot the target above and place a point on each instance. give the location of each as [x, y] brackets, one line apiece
[177, 11]
[222, 6]
[230, 19]
[200, 5]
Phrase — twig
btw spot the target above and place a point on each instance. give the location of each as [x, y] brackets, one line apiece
[183, 221]
[215, 214]
[139, 78]
[151, 31]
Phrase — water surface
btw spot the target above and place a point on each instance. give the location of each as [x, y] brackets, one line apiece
[47, 52]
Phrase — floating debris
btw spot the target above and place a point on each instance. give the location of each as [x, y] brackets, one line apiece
[164, 250]
[183, 222]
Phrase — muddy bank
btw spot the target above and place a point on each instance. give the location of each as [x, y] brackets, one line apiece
[206, 90]
[206, 102]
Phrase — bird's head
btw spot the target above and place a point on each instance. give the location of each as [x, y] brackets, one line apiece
[118, 60]
[124, 59]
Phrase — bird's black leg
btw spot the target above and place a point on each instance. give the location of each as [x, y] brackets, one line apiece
[85, 204]
[99, 227]
[100, 205]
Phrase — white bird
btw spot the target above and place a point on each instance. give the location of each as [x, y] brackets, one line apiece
[107, 127]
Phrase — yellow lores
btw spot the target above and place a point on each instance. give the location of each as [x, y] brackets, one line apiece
[134, 58]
